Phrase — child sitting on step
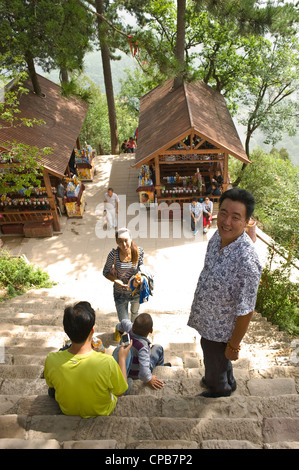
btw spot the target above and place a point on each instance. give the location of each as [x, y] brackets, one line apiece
[144, 358]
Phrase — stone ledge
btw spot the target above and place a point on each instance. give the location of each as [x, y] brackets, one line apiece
[270, 387]
[90, 444]
[281, 429]
[233, 444]
[29, 444]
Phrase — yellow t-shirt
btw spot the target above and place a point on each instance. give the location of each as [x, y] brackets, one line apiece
[85, 385]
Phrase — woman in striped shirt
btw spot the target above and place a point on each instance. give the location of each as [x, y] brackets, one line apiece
[121, 264]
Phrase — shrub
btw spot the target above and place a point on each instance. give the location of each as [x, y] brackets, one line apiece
[278, 299]
[17, 276]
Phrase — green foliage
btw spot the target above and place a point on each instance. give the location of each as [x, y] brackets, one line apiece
[17, 276]
[278, 299]
[74, 88]
[56, 34]
[26, 172]
[274, 183]
[95, 129]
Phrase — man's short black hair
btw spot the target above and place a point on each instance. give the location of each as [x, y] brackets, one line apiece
[78, 321]
[240, 195]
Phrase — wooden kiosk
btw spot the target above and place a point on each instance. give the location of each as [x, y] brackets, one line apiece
[36, 214]
[185, 135]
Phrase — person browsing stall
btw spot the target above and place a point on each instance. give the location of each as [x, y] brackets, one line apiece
[207, 209]
[196, 212]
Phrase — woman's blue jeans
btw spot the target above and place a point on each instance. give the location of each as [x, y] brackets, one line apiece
[122, 300]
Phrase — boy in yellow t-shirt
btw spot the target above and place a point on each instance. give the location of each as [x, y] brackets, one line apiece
[86, 382]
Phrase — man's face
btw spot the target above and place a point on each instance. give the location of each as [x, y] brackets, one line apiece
[110, 193]
[231, 221]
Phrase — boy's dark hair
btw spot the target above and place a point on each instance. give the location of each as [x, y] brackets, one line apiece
[240, 195]
[78, 321]
[143, 324]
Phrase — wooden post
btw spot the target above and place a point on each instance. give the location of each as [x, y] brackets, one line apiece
[56, 222]
[225, 172]
[157, 174]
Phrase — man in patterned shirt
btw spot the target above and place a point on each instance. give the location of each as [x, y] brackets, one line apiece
[226, 291]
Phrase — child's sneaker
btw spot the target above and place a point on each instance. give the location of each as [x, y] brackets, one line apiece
[117, 335]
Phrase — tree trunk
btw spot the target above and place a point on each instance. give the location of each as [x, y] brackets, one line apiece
[248, 137]
[63, 75]
[180, 42]
[108, 81]
[32, 74]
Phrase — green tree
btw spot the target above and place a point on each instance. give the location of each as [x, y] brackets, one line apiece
[52, 34]
[95, 129]
[21, 163]
[105, 53]
[274, 183]
[266, 92]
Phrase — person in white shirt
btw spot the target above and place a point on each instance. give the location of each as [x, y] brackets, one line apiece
[111, 202]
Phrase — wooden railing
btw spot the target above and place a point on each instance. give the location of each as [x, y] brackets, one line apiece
[16, 217]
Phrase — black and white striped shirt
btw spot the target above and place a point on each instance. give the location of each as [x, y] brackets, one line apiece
[124, 270]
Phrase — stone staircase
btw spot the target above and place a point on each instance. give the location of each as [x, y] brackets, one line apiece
[263, 413]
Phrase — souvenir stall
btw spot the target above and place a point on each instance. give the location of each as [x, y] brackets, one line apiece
[146, 187]
[33, 210]
[191, 141]
[35, 206]
[84, 160]
[74, 200]
[30, 211]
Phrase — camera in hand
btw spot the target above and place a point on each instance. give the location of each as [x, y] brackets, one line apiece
[125, 339]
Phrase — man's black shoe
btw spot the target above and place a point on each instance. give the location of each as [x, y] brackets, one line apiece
[203, 383]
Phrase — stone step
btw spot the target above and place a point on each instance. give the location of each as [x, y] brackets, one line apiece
[23, 386]
[21, 371]
[34, 339]
[28, 380]
[29, 444]
[171, 406]
[172, 445]
[9, 329]
[73, 428]
[27, 349]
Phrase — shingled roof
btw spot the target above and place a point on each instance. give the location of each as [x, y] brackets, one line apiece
[63, 116]
[168, 114]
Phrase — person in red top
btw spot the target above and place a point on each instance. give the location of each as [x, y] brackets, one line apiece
[132, 146]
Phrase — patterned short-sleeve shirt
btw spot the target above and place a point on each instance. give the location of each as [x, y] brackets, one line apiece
[227, 287]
